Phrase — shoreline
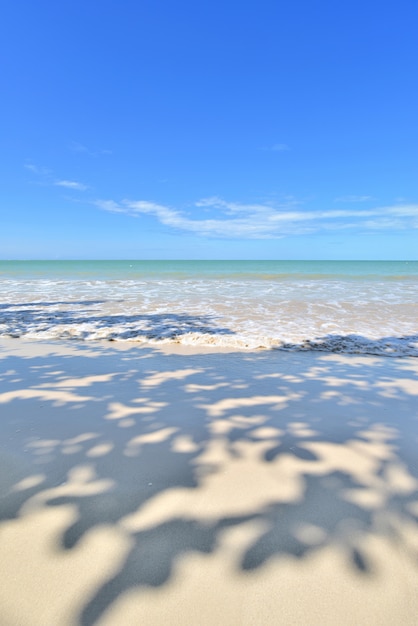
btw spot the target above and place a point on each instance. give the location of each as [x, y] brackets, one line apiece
[344, 345]
[349, 307]
[176, 484]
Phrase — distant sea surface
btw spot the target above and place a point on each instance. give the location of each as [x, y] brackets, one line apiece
[363, 307]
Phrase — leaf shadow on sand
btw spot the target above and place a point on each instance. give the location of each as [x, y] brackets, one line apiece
[65, 319]
[318, 453]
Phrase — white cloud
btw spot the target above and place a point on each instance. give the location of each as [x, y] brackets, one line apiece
[262, 221]
[110, 205]
[71, 184]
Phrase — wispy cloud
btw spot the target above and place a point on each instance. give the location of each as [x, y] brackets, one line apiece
[354, 198]
[75, 146]
[38, 170]
[280, 147]
[260, 221]
[71, 184]
[46, 177]
[277, 147]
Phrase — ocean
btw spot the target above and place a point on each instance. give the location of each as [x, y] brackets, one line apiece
[361, 307]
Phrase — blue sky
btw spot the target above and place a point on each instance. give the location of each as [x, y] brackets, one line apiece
[160, 129]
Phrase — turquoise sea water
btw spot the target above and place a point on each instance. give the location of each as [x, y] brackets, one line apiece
[100, 270]
[347, 306]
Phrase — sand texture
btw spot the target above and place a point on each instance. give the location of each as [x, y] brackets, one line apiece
[147, 487]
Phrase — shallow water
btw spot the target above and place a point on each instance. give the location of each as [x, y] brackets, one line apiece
[359, 307]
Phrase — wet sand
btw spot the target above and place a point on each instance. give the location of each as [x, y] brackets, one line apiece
[178, 486]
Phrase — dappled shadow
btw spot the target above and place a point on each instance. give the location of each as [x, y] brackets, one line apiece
[30, 306]
[358, 344]
[297, 528]
[98, 319]
[48, 319]
[174, 451]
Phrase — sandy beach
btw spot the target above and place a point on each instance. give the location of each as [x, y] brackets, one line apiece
[183, 486]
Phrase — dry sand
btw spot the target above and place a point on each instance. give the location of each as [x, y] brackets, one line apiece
[147, 487]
